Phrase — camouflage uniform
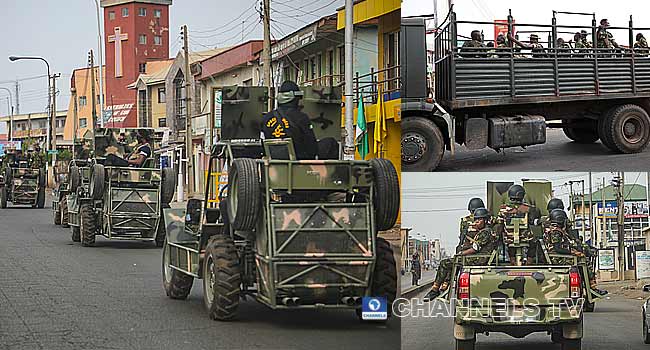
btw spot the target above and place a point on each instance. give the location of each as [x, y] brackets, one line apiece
[509, 211]
[605, 39]
[472, 48]
[465, 223]
[37, 160]
[558, 241]
[641, 47]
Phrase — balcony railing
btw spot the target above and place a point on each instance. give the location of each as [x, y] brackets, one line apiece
[368, 85]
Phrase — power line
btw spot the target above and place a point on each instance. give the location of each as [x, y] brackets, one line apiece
[227, 24]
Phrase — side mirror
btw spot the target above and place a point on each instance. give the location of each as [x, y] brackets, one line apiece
[193, 214]
[646, 288]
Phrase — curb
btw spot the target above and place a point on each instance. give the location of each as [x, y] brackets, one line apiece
[415, 290]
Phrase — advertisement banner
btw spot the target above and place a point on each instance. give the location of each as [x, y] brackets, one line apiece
[632, 209]
[643, 264]
[606, 259]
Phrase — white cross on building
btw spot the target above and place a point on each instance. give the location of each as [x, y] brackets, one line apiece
[117, 39]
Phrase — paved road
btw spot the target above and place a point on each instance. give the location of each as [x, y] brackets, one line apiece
[558, 154]
[615, 324]
[426, 277]
[56, 295]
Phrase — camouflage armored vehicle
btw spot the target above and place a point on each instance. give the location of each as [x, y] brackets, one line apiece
[289, 233]
[82, 150]
[516, 298]
[119, 202]
[23, 182]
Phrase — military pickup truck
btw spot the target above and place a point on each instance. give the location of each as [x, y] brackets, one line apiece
[508, 97]
[518, 300]
[21, 184]
[287, 233]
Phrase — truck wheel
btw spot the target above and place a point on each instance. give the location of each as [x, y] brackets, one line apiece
[646, 335]
[465, 344]
[74, 178]
[628, 129]
[244, 194]
[97, 182]
[422, 145]
[161, 232]
[384, 278]
[221, 278]
[589, 307]
[556, 335]
[40, 198]
[386, 193]
[76, 233]
[87, 224]
[57, 214]
[3, 197]
[581, 135]
[63, 207]
[571, 344]
[602, 130]
[167, 185]
[177, 284]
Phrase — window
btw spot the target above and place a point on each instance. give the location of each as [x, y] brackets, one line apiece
[83, 123]
[125, 12]
[82, 101]
[142, 12]
[319, 68]
[142, 68]
[330, 67]
[248, 82]
[111, 15]
[162, 122]
[142, 39]
[161, 95]
[157, 13]
[341, 60]
[312, 68]
[391, 54]
[157, 40]
[143, 109]
[98, 99]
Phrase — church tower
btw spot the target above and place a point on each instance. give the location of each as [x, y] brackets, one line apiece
[135, 31]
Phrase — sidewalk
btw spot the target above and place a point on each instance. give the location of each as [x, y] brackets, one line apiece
[408, 290]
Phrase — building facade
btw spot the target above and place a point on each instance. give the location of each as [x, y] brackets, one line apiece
[81, 80]
[35, 126]
[152, 95]
[135, 32]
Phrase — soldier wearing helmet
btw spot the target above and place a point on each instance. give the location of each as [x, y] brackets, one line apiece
[466, 221]
[481, 241]
[605, 39]
[641, 45]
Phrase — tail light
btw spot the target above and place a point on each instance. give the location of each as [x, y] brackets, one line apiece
[463, 286]
[575, 285]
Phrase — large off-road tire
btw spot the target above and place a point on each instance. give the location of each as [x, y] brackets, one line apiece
[221, 278]
[75, 178]
[384, 277]
[57, 214]
[571, 344]
[244, 194]
[602, 129]
[87, 224]
[646, 334]
[75, 232]
[465, 344]
[177, 285]
[65, 215]
[423, 145]
[161, 231]
[167, 185]
[97, 182]
[40, 198]
[582, 135]
[386, 193]
[3, 197]
[589, 307]
[627, 129]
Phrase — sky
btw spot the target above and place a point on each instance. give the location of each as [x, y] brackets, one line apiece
[64, 31]
[433, 203]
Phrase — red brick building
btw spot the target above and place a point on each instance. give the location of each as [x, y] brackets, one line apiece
[135, 31]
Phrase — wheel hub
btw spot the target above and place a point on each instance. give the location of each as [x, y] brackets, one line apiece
[208, 280]
[168, 269]
[633, 129]
[413, 147]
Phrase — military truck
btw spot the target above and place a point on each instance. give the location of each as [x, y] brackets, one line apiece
[119, 202]
[82, 150]
[21, 184]
[508, 97]
[519, 299]
[288, 233]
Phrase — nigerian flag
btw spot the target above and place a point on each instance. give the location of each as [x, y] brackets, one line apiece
[361, 134]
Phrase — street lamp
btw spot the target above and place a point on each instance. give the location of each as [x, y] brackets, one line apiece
[49, 99]
[11, 114]
[101, 65]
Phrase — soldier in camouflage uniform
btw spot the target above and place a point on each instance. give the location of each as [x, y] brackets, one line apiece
[534, 45]
[641, 46]
[473, 48]
[520, 210]
[37, 158]
[563, 48]
[558, 241]
[467, 221]
[480, 240]
[605, 39]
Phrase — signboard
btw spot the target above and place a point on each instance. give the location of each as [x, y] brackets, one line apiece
[217, 108]
[53, 151]
[606, 259]
[632, 209]
[117, 113]
[501, 27]
[643, 264]
[9, 144]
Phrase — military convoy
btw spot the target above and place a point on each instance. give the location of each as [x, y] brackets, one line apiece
[68, 185]
[118, 202]
[515, 298]
[289, 233]
[22, 182]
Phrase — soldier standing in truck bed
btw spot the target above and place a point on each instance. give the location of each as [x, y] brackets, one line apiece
[641, 46]
[467, 221]
[605, 39]
[481, 241]
[475, 47]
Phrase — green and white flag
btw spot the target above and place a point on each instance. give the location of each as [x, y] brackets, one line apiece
[361, 132]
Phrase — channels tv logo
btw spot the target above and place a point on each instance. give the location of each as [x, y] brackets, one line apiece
[374, 308]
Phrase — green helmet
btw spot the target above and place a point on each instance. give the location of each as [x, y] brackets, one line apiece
[481, 213]
[474, 204]
[555, 203]
[516, 193]
[558, 216]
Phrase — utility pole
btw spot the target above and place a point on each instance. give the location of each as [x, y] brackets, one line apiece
[17, 99]
[73, 92]
[594, 241]
[582, 212]
[603, 238]
[349, 80]
[53, 122]
[619, 183]
[189, 151]
[91, 63]
[435, 13]
[266, 53]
